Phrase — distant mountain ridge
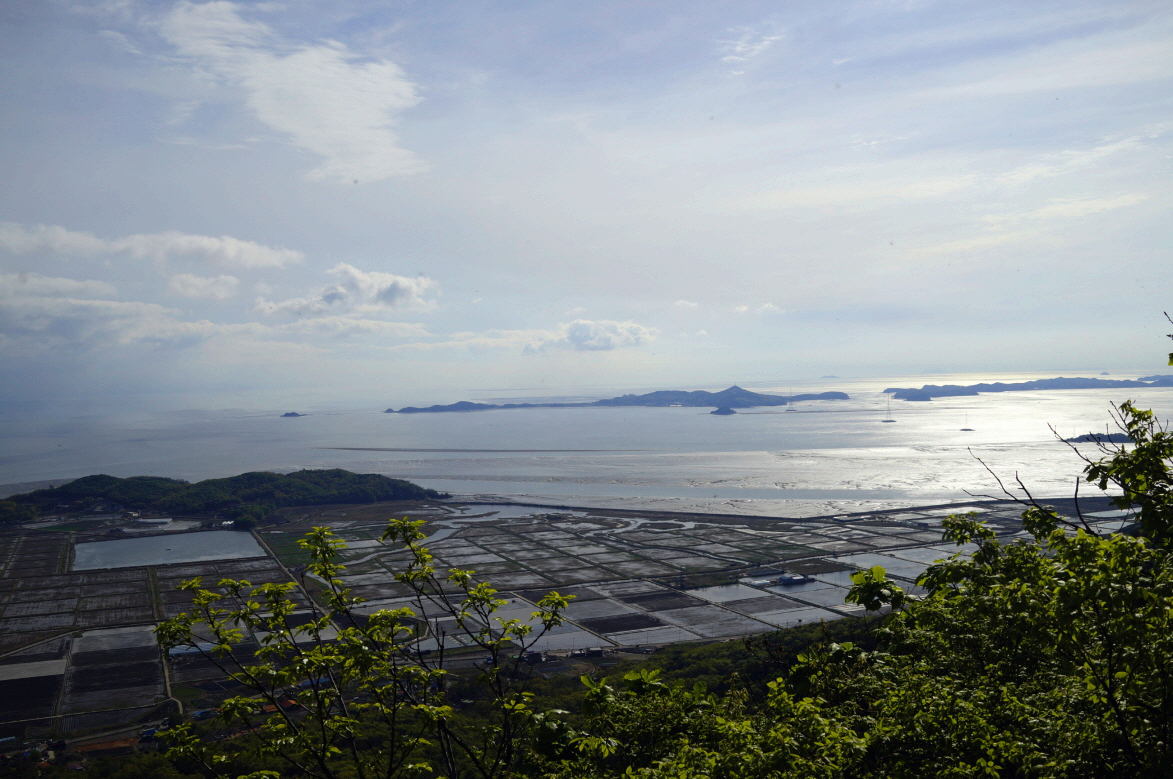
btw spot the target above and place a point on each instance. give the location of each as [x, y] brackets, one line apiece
[733, 397]
[930, 391]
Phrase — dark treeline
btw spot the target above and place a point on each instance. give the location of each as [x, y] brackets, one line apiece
[249, 494]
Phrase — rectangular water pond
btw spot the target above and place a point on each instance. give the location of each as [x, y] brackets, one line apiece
[166, 550]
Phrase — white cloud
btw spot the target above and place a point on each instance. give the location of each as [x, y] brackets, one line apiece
[161, 247]
[764, 308]
[320, 96]
[483, 341]
[584, 335]
[225, 250]
[42, 312]
[18, 239]
[343, 327]
[189, 286]
[60, 322]
[580, 335]
[357, 290]
[685, 304]
[36, 285]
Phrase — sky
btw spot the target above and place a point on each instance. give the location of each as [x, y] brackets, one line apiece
[211, 203]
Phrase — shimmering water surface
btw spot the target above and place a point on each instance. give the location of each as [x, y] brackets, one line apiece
[166, 550]
[821, 456]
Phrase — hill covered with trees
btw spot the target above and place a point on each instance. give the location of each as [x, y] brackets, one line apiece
[251, 494]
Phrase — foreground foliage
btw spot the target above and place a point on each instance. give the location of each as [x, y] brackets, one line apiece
[367, 700]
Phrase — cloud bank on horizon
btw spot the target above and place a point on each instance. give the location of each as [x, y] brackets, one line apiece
[231, 197]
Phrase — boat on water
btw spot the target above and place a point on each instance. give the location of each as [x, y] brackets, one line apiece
[889, 417]
[967, 428]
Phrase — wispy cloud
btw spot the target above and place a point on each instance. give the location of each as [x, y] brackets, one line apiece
[581, 335]
[1067, 161]
[764, 308]
[323, 97]
[686, 304]
[41, 323]
[43, 312]
[1035, 225]
[223, 250]
[120, 41]
[345, 327]
[190, 286]
[36, 285]
[1070, 208]
[749, 44]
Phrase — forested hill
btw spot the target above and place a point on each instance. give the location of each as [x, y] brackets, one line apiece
[249, 494]
[734, 397]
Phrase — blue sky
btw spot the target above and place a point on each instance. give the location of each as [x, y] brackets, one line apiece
[407, 201]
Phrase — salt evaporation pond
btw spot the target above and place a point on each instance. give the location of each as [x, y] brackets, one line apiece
[166, 550]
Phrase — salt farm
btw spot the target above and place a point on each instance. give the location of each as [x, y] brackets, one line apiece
[78, 601]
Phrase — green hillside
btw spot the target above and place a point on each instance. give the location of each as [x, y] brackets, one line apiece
[249, 494]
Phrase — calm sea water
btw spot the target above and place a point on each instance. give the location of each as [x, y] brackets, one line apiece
[822, 456]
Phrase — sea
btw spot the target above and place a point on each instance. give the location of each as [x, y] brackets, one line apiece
[812, 458]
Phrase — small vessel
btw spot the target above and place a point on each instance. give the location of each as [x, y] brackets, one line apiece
[790, 400]
[889, 419]
[967, 428]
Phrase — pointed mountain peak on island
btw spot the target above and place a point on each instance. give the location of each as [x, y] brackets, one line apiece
[733, 397]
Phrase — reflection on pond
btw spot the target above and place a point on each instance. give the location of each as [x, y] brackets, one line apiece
[166, 550]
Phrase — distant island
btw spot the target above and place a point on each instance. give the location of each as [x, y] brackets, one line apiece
[1100, 438]
[930, 391]
[734, 397]
[292, 414]
[724, 411]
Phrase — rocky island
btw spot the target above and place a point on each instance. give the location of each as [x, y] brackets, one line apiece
[731, 398]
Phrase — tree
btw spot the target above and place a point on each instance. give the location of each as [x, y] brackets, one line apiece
[14, 512]
[354, 695]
